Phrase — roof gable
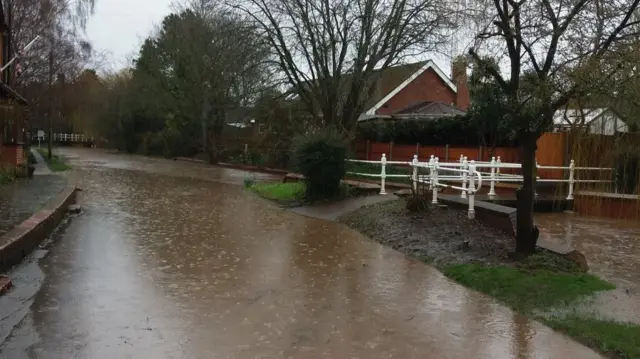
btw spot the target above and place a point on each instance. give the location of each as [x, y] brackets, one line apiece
[390, 94]
[579, 116]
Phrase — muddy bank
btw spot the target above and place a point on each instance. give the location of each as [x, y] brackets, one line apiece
[437, 235]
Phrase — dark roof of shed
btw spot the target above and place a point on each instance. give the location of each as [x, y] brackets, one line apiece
[431, 109]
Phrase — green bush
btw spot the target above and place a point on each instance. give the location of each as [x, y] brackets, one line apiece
[320, 157]
[627, 172]
[7, 174]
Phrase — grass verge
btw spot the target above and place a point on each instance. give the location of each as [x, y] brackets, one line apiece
[290, 191]
[527, 290]
[545, 281]
[616, 340]
[56, 163]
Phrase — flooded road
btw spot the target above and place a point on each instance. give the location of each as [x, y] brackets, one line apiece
[611, 247]
[172, 260]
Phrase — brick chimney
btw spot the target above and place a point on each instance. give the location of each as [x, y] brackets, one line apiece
[459, 77]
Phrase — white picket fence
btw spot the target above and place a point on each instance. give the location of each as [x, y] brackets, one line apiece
[469, 175]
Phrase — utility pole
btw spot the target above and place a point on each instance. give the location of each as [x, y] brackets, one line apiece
[50, 99]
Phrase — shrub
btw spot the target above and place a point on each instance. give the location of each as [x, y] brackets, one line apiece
[249, 181]
[320, 157]
[627, 172]
[7, 174]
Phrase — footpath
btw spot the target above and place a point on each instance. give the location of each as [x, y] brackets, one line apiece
[30, 208]
[22, 198]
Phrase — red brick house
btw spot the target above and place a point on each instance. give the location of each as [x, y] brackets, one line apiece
[419, 90]
[12, 106]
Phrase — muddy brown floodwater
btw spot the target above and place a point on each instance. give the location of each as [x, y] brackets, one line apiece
[171, 260]
[612, 248]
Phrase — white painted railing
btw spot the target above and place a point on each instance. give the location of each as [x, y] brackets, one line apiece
[64, 137]
[466, 172]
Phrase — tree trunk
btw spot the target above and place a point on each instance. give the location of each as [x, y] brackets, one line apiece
[526, 232]
[50, 107]
[215, 136]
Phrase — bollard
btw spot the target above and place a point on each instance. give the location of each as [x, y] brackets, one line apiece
[434, 181]
[472, 189]
[465, 167]
[383, 173]
[431, 162]
[572, 169]
[414, 163]
[492, 187]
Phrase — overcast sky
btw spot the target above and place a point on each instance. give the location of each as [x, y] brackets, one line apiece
[118, 27]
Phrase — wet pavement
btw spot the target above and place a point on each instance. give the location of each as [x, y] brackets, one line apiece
[41, 164]
[171, 260]
[22, 198]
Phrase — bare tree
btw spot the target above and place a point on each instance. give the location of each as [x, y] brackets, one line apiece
[555, 50]
[62, 51]
[331, 51]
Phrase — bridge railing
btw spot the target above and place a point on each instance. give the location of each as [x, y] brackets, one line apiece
[63, 137]
[467, 171]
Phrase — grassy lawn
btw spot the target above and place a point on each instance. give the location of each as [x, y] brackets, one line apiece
[57, 163]
[290, 191]
[617, 340]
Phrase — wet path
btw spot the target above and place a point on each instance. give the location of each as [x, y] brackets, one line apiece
[169, 260]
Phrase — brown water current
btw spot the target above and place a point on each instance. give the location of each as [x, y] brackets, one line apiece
[175, 260]
[612, 249]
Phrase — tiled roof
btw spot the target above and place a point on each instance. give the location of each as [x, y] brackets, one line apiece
[430, 109]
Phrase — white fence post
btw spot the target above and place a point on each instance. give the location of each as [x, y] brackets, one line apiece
[572, 169]
[492, 187]
[414, 164]
[383, 173]
[432, 160]
[472, 189]
[434, 181]
[461, 165]
[498, 162]
[465, 166]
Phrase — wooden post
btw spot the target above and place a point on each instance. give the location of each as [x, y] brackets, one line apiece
[367, 151]
[391, 151]
[446, 153]
[418, 148]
